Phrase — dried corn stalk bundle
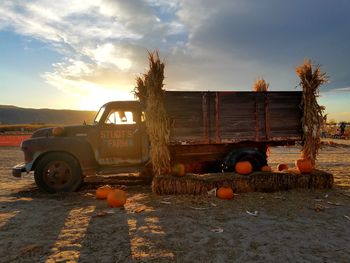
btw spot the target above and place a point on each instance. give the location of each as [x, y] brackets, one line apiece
[311, 78]
[260, 85]
[140, 91]
[150, 92]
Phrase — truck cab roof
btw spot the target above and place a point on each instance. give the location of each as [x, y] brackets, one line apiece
[130, 104]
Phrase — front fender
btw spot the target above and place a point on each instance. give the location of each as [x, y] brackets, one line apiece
[79, 148]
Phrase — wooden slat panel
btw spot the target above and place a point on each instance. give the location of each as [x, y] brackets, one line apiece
[215, 117]
[186, 115]
[285, 114]
[237, 115]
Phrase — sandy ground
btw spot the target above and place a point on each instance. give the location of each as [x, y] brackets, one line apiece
[37, 227]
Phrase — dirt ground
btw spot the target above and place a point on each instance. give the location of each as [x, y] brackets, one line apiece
[38, 227]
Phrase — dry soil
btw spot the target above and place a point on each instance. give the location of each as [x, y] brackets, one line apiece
[290, 226]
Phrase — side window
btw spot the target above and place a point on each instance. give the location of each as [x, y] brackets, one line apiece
[120, 117]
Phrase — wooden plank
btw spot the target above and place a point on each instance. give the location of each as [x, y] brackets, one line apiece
[218, 117]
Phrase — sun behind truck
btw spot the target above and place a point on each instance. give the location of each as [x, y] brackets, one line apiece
[214, 129]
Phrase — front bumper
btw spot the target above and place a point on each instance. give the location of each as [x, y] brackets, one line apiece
[18, 169]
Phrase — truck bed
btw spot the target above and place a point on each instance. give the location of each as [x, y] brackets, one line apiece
[202, 117]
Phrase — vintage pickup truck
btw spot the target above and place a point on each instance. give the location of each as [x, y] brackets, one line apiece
[216, 128]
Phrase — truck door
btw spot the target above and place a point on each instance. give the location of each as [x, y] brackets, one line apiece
[120, 138]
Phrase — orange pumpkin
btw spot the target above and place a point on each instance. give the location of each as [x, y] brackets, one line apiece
[304, 165]
[103, 191]
[282, 166]
[225, 192]
[116, 198]
[178, 169]
[243, 167]
[266, 168]
[57, 131]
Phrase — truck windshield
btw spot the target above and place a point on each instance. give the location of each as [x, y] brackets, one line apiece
[99, 115]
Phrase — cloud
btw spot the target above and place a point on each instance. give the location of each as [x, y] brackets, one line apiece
[102, 42]
[274, 35]
[340, 90]
[207, 45]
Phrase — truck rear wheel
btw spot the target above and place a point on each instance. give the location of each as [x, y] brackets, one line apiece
[58, 172]
[253, 155]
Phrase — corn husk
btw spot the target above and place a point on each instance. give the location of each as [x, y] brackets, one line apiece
[150, 92]
[260, 85]
[311, 78]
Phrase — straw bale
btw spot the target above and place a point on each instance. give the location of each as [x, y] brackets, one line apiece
[197, 184]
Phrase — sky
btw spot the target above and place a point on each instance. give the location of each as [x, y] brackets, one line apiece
[80, 54]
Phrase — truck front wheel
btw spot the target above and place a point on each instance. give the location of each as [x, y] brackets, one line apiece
[58, 172]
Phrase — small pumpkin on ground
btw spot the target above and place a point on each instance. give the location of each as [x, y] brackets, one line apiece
[225, 192]
[116, 198]
[103, 191]
[304, 165]
[178, 169]
[243, 167]
[282, 166]
[266, 168]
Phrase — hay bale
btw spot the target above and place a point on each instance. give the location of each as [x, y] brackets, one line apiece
[196, 184]
[321, 180]
[270, 182]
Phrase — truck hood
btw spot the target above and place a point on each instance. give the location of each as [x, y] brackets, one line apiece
[68, 131]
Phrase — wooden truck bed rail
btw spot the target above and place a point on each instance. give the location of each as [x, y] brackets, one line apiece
[231, 117]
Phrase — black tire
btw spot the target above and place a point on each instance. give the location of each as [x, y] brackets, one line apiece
[253, 155]
[58, 172]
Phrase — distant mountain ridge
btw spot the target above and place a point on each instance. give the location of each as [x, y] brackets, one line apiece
[15, 115]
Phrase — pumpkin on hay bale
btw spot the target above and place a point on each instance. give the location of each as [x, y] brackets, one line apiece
[243, 167]
[282, 167]
[304, 165]
[178, 169]
[266, 168]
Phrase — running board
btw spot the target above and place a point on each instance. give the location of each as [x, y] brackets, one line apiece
[119, 169]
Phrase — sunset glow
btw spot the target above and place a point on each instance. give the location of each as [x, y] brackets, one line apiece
[83, 56]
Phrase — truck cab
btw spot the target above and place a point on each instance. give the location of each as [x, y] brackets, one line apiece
[61, 156]
[119, 137]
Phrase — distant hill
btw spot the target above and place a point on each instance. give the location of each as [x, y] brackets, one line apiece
[16, 115]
